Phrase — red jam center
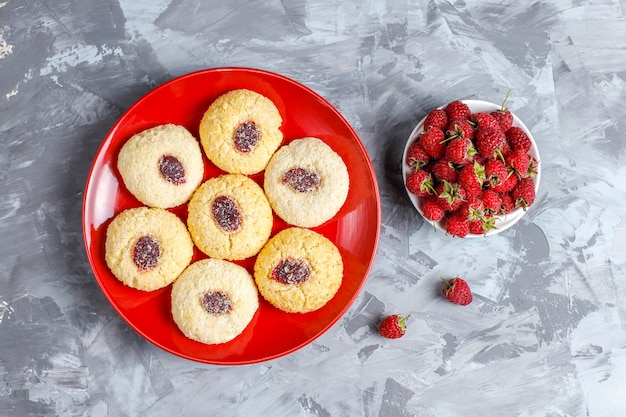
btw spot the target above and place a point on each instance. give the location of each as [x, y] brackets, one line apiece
[301, 179]
[146, 253]
[246, 137]
[216, 303]
[291, 271]
[226, 213]
[172, 170]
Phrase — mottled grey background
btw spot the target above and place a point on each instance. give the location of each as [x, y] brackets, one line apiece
[546, 334]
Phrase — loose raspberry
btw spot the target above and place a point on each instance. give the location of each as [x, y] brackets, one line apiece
[457, 291]
[393, 327]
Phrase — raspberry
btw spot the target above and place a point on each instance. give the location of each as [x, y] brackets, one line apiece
[416, 156]
[471, 178]
[518, 139]
[484, 121]
[495, 172]
[460, 151]
[457, 110]
[518, 160]
[432, 210]
[433, 142]
[524, 193]
[457, 225]
[444, 170]
[436, 118]
[450, 195]
[420, 183]
[488, 141]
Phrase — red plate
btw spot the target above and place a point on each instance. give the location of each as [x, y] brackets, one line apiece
[355, 229]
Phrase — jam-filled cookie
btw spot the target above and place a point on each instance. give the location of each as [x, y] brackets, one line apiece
[147, 248]
[214, 300]
[306, 182]
[298, 270]
[161, 166]
[230, 217]
[240, 131]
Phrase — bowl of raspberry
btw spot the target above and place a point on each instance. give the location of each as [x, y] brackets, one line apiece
[471, 168]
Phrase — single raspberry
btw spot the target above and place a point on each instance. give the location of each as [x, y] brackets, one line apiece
[507, 185]
[507, 203]
[460, 129]
[524, 193]
[491, 200]
[416, 156]
[495, 172]
[436, 118]
[457, 291]
[518, 161]
[518, 139]
[472, 209]
[471, 178]
[489, 141]
[393, 327]
[482, 225]
[444, 170]
[484, 121]
[433, 142]
[420, 183]
[432, 210]
[457, 225]
[450, 195]
[503, 116]
[457, 110]
[460, 151]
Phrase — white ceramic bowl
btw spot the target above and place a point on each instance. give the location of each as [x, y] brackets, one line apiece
[503, 222]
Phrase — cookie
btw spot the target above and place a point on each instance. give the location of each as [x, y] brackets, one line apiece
[298, 270]
[213, 301]
[147, 248]
[240, 131]
[230, 217]
[306, 182]
[161, 166]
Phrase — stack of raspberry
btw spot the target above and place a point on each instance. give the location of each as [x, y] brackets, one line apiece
[467, 168]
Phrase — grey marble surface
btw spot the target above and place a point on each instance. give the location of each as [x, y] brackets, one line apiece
[546, 334]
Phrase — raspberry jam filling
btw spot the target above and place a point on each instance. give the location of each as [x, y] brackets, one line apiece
[226, 213]
[291, 271]
[216, 303]
[146, 253]
[172, 170]
[301, 180]
[246, 137]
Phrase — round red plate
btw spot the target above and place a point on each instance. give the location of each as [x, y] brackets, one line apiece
[355, 229]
